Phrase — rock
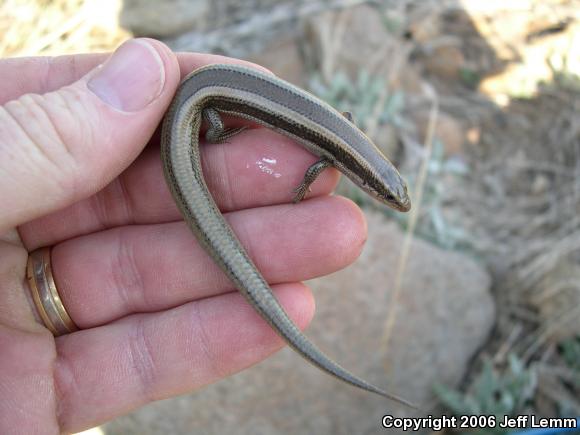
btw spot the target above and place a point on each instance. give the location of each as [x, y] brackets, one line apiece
[473, 135]
[444, 314]
[410, 81]
[444, 58]
[164, 18]
[352, 40]
[448, 130]
[283, 58]
[423, 25]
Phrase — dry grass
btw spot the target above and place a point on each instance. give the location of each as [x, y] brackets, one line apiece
[55, 27]
[521, 207]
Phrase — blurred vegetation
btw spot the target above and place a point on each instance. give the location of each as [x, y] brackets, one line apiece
[361, 98]
[571, 354]
[57, 27]
[565, 77]
[493, 393]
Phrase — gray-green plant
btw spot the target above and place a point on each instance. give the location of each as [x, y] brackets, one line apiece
[360, 97]
[493, 393]
[571, 354]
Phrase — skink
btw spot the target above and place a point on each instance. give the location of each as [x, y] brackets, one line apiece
[213, 90]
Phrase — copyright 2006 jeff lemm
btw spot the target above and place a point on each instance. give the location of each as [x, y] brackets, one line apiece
[476, 422]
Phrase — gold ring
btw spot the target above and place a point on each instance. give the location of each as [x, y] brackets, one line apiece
[45, 295]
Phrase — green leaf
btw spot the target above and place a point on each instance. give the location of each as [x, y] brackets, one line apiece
[452, 399]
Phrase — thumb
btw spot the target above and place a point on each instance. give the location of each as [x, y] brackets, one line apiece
[65, 145]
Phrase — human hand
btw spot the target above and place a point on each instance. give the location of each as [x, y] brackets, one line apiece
[80, 172]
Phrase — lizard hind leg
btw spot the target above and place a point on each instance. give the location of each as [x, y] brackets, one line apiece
[216, 132]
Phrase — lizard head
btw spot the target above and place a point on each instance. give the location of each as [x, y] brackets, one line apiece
[384, 183]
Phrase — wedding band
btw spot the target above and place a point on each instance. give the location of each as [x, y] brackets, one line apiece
[45, 295]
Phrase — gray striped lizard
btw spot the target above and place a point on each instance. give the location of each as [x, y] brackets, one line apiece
[265, 99]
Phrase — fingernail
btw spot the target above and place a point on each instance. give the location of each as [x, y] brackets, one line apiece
[131, 78]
